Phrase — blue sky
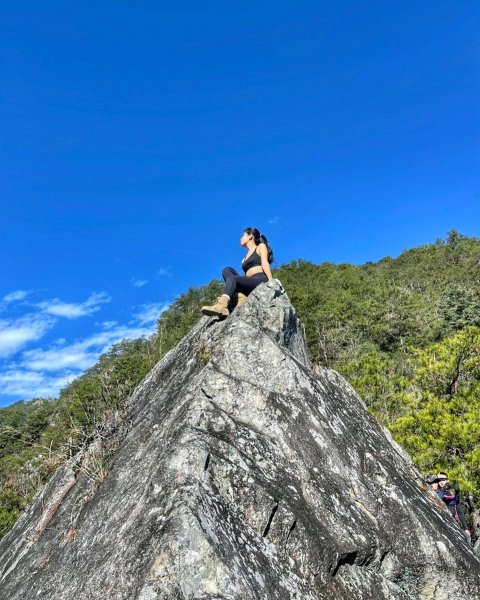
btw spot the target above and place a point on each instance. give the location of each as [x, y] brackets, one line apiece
[139, 141]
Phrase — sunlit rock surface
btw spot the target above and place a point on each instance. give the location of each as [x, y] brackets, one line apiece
[241, 475]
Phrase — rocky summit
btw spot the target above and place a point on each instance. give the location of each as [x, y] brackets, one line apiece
[239, 473]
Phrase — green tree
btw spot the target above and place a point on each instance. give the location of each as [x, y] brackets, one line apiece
[440, 424]
[460, 306]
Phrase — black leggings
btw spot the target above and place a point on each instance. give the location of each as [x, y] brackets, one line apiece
[235, 283]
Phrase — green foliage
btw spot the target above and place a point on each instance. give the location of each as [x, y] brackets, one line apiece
[380, 379]
[403, 331]
[460, 306]
[10, 505]
[22, 424]
[440, 424]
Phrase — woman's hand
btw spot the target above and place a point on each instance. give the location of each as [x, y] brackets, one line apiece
[263, 252]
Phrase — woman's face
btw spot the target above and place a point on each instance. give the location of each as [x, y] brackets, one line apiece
[245, 238]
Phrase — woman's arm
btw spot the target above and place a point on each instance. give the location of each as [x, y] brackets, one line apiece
[262, 250]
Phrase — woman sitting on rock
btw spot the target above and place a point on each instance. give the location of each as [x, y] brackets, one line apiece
[256, 266]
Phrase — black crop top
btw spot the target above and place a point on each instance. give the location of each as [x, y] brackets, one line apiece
[253, 260]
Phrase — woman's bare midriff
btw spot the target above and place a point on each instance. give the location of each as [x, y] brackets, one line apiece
[254, 271]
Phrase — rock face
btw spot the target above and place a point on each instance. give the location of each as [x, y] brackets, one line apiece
[242, 475]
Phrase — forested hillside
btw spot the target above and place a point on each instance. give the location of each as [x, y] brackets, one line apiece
[405, 332]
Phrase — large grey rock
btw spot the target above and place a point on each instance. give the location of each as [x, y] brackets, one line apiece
[242, 475]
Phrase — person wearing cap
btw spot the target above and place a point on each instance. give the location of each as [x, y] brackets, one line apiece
[450, 494]
[432, 480]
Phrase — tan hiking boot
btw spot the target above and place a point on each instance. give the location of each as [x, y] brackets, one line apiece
[218, 309]
[241, 299]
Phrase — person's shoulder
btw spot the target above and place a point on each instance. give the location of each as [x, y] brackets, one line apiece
[262, 246]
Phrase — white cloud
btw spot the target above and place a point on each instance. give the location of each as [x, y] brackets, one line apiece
[42, 372]
[165, 271]
[104, 339]
[80, 355]
[274, 221]
[16, 296]
[16, 333]
[138, 282]
[57, 358]
[72, 311]
[149, 313]
[28, 384]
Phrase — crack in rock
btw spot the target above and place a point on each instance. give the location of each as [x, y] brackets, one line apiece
[270, 519]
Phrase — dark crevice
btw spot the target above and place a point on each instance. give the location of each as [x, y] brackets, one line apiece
[383, 556]
[206, 394]
[272, 514]
[349, 558]
[361, 558]
[207, 462]
[213, 321]
[290, 531]
[292, 527]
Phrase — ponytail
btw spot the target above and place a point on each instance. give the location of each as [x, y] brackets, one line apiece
[259, 238]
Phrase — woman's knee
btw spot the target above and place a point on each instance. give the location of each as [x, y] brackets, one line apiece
[228, 272]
